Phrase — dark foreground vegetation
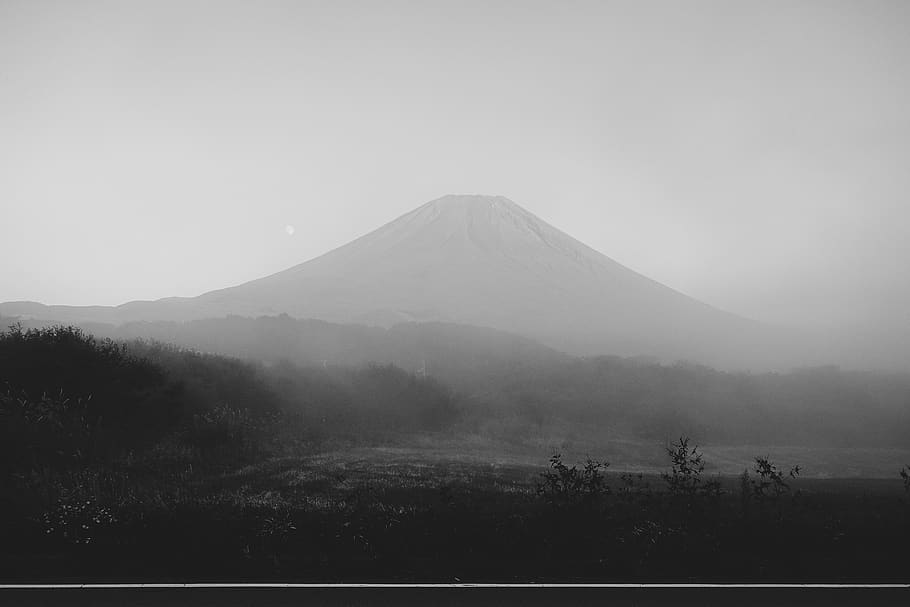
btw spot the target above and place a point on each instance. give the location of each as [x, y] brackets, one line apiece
[147, 462]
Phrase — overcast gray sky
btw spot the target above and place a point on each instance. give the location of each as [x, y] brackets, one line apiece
[755, 155]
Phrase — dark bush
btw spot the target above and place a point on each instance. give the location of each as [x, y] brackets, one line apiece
[770, 482]
[562, 486]
[69, 396]
[51, 429]
[687, 465]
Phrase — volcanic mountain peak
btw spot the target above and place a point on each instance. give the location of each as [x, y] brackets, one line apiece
[471, 202]
[478, 260]
[472, 226]
[475, 210]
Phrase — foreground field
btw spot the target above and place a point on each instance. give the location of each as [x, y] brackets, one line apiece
[648, 457]
[393, 514]
[146, 462]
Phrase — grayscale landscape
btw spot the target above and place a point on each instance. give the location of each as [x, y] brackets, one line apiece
[295, 292]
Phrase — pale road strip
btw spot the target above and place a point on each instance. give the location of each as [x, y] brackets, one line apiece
[429, 585]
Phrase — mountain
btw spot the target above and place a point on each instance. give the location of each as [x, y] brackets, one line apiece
[476, 260]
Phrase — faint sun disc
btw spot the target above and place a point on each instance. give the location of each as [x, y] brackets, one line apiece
[289, 229]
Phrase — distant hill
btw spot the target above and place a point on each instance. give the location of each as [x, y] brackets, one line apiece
[458, 354]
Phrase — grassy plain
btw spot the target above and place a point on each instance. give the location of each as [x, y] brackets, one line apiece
[437, 510]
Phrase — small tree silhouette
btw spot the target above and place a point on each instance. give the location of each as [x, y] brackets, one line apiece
[684, 478]
[905, 475]
[770, 482]
[562, 486]
[770, 485]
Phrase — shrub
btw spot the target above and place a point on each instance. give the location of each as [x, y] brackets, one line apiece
[684, 479]
[52, 429]
[770, 482]
[64, 385]
[67, 398]
[563, 486]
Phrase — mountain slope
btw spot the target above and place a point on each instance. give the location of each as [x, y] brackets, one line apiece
[476, 260]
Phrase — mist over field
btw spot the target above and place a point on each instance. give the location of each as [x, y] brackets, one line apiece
[541, 340]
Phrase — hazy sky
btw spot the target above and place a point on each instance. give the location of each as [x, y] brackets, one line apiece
[755, 155]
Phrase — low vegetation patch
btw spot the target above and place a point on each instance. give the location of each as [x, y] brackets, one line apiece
[147, 462]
